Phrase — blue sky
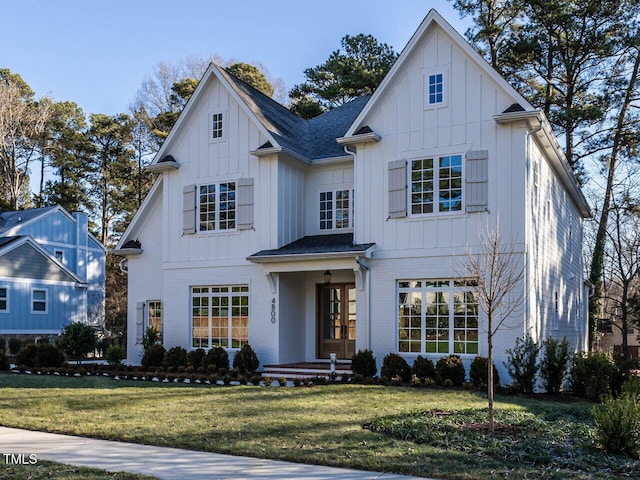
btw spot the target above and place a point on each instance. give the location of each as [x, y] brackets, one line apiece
[97, 52]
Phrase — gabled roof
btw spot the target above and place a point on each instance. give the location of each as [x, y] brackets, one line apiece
[131, 230]
[431, 21]
[19, 218]
[7, 244]
[308, 140]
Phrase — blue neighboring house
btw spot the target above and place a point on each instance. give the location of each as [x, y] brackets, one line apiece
[52, 272]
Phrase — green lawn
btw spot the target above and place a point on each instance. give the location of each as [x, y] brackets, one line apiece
[322, 425]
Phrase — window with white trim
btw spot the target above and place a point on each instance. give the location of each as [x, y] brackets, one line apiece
[217, 131]
[436, 185]
[59, 254]
[217, 206]
[154, 316]
[437, 316]
[4, 299]
[220, 316]
[436, 88]
[336, 210]
[38, 300]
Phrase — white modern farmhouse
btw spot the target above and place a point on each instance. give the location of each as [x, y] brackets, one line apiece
[345, 232]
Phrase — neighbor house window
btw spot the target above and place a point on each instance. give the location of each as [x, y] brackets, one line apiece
[59, 255]
[436, 89]
[154, 316]
[220, 316]
[336, 209]
[436, 185]
[38, 301]
[216, 126]
[437, 316]
[4, 299]
[217, 206]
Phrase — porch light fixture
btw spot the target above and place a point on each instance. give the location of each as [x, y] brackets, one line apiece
[327, 277]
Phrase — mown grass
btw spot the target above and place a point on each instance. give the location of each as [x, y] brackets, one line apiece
[318, 425]
[44, 470]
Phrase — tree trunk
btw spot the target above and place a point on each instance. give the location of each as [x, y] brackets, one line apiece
[490, 375]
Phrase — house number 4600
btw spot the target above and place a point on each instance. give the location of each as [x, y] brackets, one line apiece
[273, 310]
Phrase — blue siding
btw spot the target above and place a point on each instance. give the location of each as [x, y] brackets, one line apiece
[55, 228]
[64, 305]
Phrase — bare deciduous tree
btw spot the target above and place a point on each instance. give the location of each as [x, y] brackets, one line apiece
[498, 270]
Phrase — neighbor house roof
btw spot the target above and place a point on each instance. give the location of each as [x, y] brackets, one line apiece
[14, 218]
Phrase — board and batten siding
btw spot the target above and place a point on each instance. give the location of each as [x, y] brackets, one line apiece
[409, 131]
[205, 161]
[324, 178]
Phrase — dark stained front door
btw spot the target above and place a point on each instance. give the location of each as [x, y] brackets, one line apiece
[337, 320]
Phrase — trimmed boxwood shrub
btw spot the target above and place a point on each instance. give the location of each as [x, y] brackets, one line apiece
[364, 363]
[522, 364]
[246, 360]
[153, 356]
[175, 357]
[592, 374]
[423, 368]
[194, 357]
[554, 365]
[215, 359]
[15, 344]
[450, 368]
[393, 365]
[479, 373]
[27, 355]
[48, 356]
[114, 355]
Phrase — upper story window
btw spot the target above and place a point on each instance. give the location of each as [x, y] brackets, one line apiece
[436, 185]
[436, 89]
[38, 301]
[217, 206]
[336, 209]
[59, 255]
[4, 299]
[217, 125]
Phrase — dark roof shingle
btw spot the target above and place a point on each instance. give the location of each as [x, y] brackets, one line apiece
[318, 244]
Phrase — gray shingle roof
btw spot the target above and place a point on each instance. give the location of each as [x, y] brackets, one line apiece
[313, 139]
[7, 240]
[10, 219]
[318, 244]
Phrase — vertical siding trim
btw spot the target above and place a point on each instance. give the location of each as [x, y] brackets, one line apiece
[244, 220]
[476, 182]
[189, 210]
[139, 322]
[397, 188]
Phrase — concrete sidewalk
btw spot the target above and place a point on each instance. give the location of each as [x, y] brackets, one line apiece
[165, 463]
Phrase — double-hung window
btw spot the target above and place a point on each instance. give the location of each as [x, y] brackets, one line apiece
[154, 316]
[336, 210]
[38, 300]
[437, 316]
[4, 299]
[436, 185]
[217, 206]
[220, 316]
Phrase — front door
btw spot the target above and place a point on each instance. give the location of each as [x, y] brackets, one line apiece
[337, 320]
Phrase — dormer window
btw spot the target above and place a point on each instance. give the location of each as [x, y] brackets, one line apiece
[217, 123]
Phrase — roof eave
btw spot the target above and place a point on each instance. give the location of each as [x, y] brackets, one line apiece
[264, 152]
[356, 139]
[295, 257]
[127, 252]
[162, 166]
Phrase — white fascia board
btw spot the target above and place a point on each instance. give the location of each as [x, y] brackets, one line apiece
[362, 138]
[434, 18]
[149, 199]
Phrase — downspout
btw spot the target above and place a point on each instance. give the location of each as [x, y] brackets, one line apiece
[123, 269]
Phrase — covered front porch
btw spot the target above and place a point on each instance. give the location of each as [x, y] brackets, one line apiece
[319, 298]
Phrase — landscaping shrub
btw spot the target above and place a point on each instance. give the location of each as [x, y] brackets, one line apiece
[194, 357]
[4, 361]
[393, 365]
[153, 356]
[423, 368]
[479, 373]
[77, 339]
[215, 359]
[48, 356]
[364, 363]
[246, 360]
[618, 421]
[115, 354]
[27, 355]
[102, 346]
[554, 365]
[450, 369]
[175, 357]
[150, 337]
[3, 344]
[15, 344]
[623, 374]
[592, 374]
[522, 364]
